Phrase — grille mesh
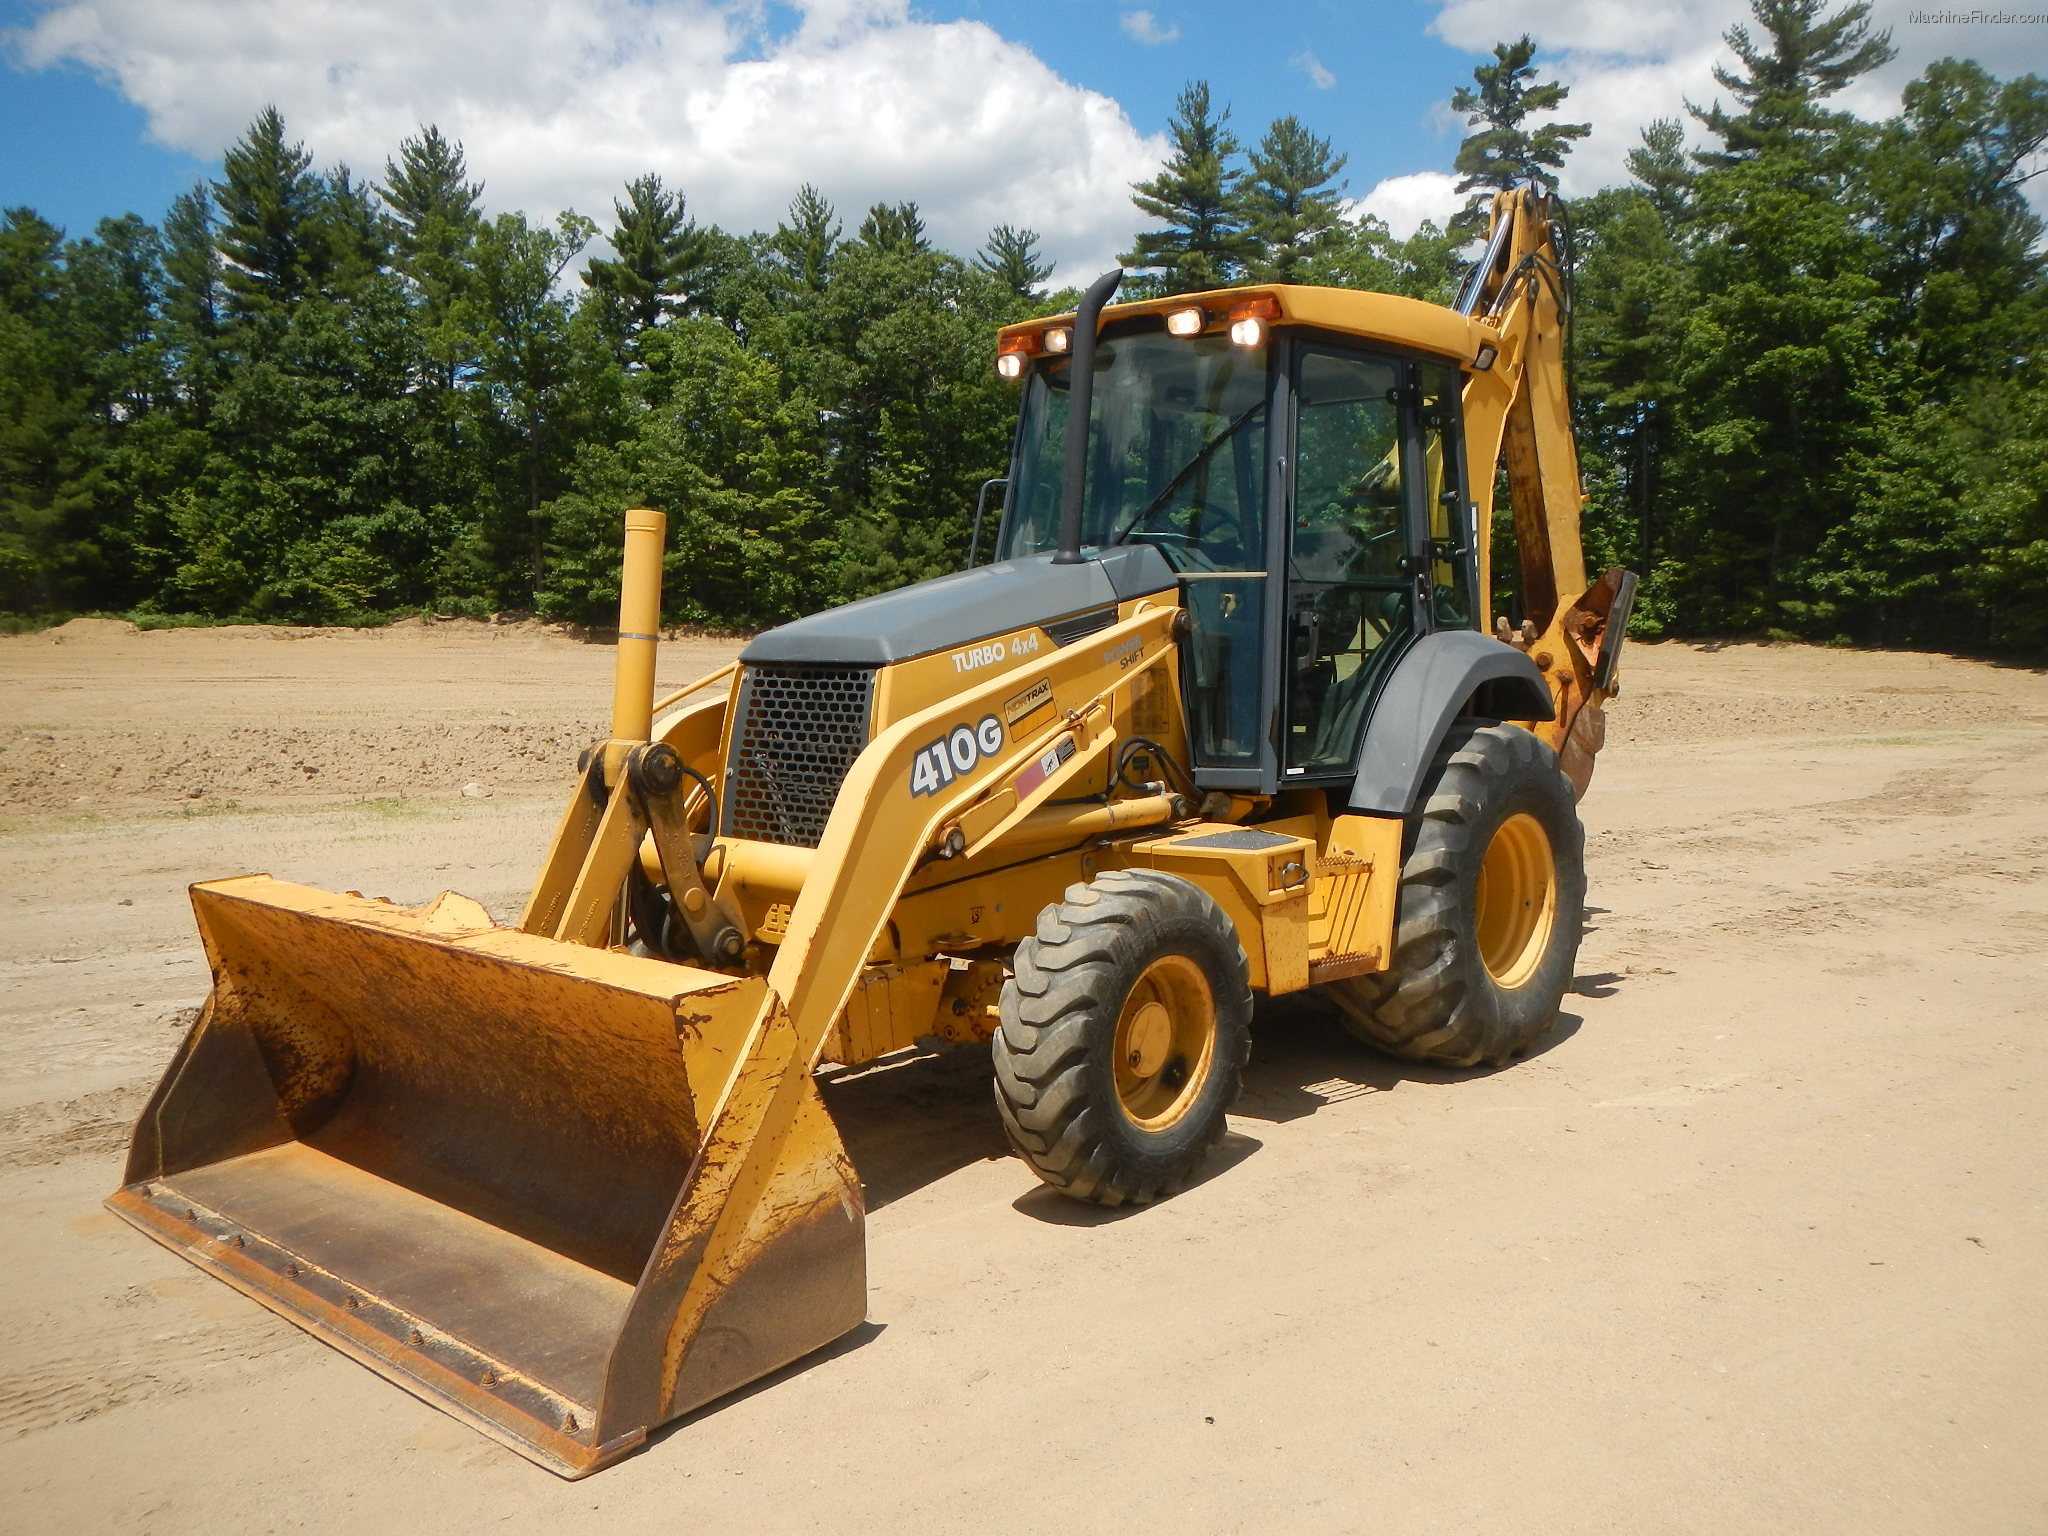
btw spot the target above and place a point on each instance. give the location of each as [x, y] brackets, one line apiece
[800, 728]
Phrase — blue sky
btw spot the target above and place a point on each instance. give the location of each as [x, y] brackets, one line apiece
[1388, 76]
[1033, 112]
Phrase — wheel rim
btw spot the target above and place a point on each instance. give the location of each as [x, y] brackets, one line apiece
[1165, 1042]
[1516, 905]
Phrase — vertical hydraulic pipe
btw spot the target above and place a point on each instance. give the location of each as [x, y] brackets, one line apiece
[1080, 392]
[639, 626]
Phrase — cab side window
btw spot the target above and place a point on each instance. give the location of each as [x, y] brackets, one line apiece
[1350, 604]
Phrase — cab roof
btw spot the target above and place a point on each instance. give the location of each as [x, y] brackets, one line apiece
[1382, 317]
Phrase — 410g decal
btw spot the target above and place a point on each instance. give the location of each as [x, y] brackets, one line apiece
[955, 753]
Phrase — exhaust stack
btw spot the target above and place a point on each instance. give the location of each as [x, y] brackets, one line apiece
[1080, 395]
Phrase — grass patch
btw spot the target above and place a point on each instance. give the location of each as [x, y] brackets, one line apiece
[390, 809]
[79, 820]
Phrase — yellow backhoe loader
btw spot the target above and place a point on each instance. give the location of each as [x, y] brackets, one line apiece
[1225, 717]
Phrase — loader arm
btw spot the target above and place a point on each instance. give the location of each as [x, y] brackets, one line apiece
[878, 834]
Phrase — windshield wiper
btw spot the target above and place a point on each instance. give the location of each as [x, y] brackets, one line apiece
[1130, 526]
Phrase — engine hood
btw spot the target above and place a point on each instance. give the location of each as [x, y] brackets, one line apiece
[948, 612]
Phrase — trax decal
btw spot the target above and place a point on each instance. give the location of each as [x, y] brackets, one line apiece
[955, 753]
[1029, 702]
[1047, 765]
[977, 656]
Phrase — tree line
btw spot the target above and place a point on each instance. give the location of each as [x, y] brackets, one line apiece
[1806, 354]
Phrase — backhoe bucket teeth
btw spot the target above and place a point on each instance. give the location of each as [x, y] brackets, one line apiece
[482, 1163]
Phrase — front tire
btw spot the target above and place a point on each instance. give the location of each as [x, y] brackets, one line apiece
[1491, 905]
[1125, 1029]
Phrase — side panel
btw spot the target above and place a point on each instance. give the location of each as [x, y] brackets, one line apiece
[1261, 880]
[1351, 903]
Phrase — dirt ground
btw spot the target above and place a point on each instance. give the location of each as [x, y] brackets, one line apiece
[1754, 1242]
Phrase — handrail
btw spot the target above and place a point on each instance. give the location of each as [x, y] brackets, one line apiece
[703, 682]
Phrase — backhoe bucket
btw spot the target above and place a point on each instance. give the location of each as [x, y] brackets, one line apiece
[479, 1161]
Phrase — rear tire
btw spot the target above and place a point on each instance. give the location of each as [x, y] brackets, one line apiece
[1491, 906]
[1125, 1029]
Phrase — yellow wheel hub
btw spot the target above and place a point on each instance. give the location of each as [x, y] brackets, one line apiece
[1165, 1042]
[1516, 905]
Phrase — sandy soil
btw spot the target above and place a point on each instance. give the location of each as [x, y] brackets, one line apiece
[1755, 1242]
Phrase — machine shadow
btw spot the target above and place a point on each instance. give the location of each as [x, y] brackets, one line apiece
[1303, 1059]
[1048, 1205]
[910, 1119]
[914, 1118]
[845, 1344]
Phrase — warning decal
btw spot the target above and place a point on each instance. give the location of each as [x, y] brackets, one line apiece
[1047, 765]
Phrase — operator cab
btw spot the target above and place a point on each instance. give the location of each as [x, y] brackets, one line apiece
[1308, 489]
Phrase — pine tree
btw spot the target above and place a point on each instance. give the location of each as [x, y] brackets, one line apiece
[192, 283]
[897, 230]
[1505, 152]
[806, 239]
[1291, 210]
[269, 203]
[435, 210]
[528, 353]
[356, 236]
[427, 194]
[1806, 57]
[50, 448]
[657, 251]
[1659, 167]
[1195, 193]
[1011, 257]
[1782, 362]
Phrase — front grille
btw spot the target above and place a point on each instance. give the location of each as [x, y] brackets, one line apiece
[799, 730]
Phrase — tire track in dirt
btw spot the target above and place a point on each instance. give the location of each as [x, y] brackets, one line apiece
[55, 1131]
[148, 1341]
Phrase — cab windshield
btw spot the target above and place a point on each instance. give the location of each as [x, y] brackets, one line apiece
[1177, 452]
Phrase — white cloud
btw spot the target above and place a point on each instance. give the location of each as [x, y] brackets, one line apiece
[1403, 202]
[560, 102]
[1310, 65]
[1146, 28]
[1629, 62]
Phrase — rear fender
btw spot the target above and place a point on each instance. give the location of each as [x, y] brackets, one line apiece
[1430, 684]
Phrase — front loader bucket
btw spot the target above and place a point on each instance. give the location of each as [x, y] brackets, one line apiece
[478, 1161]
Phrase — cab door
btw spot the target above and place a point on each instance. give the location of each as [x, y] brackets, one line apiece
[1372, 560]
